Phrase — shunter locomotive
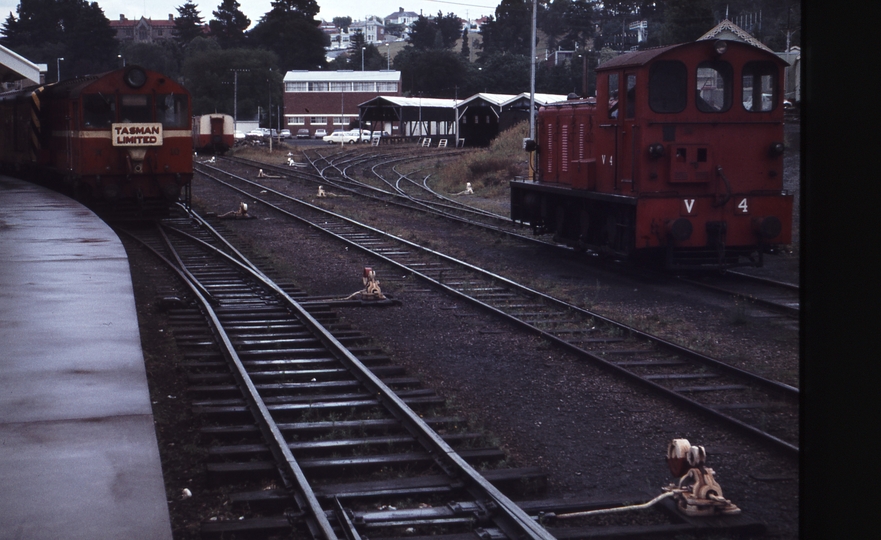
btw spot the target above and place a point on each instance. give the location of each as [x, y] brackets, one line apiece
[119, 142]
[679, 158]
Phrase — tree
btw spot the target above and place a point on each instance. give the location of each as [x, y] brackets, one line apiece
[433, 72]
[686, 20]
[229, 24]
[75, 30]
[213, 85]
[450, 27]
[422, 33]
[466, 49]
[306, 9]
[504, 73]
[162, 56]
[188, 24]
[438, 33]
[510, 30]
[396, 30]
[292, 33]
[356, 41]
[342, 23]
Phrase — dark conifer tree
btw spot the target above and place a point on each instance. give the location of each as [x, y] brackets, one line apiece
[229, 24]
[76, 30]
[188, 24]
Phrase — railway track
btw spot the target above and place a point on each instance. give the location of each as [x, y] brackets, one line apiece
[318, 435]
[338, 173]
[764, 408]
[414, 193]
[777, 296]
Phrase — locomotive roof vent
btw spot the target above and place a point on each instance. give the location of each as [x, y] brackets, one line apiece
[135, 77]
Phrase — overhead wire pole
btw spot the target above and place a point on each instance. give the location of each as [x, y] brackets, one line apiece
[532, 92]
[235, 97]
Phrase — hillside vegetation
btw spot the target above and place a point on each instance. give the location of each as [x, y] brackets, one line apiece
[488, 169]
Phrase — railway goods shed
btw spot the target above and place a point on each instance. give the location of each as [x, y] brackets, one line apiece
[483, 116]
[474, 121]
[411, 116]
[80, 456]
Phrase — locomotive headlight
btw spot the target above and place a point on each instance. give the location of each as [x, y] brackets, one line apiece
[776, 149]
[656, 150]
[135, 77]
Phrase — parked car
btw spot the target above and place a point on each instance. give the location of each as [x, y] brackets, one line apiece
[239, 136]
[303, 133]
[284, 134]
[364, 135]
[320, 133]
[256, 134]
[340, 136]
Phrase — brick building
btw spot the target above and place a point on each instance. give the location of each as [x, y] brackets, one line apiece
[330, 99]
[143, 30]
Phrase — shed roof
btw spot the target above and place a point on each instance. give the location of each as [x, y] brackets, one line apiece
[343, 76]
[414, 102]
[728, 30]
[540, 99]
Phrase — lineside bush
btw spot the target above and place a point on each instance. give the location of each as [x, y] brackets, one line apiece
[488, 169]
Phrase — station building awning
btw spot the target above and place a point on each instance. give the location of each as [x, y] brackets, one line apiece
[14, 67]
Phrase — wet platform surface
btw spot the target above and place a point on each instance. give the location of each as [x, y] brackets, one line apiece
[78, 451]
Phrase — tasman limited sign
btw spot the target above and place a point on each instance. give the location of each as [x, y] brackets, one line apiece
[136, 134]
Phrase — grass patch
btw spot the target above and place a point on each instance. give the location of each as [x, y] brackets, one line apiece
[488, 169]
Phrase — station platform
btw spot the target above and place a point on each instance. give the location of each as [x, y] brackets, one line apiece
[78, 452]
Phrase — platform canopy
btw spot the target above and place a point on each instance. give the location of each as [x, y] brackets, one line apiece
[14, 67]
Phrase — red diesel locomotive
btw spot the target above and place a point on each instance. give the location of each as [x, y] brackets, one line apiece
[680, 156]
[119, 142]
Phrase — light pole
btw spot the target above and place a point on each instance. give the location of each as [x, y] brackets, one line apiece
[362, 58]
[121, 57]
[235, 97]
[388, 58]
[58, 66]
[532, 92]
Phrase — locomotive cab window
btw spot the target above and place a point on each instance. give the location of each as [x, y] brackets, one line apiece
[136, 108]
[171, 110]
[668, 86]
[714, 86]
[630, 100]
[613, 95]
[759, 86]
[99, 111]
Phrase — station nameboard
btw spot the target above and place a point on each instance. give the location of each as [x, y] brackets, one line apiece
[136, 134]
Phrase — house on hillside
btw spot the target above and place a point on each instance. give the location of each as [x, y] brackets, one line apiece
[143, 30]
[372, 28]
[401, 17]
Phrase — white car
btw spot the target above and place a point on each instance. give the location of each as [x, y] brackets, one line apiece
[239, 136]
[320, 133]
[339, 137]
